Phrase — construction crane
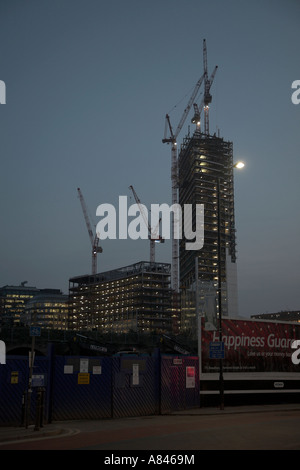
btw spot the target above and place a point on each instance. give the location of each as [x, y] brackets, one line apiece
[93, 238]
[173, 136]
[207, 85]
[198, 109]
[172, 139]
[153, 236]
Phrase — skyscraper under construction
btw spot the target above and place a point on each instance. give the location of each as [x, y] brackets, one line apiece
[205, 167]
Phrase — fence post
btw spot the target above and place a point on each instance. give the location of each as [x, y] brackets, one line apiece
[42, 407]
[23, 409]
[38, 410]
[50, 382]
[157, 357]
[112, 386]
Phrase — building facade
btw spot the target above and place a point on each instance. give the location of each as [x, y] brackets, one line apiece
[205, 171]
[49, 310]
[20, 304]
[13, 300]
[135, 297]
[288, 315]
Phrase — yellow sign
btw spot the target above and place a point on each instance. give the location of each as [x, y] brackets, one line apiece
[14, 377]
[83, 379]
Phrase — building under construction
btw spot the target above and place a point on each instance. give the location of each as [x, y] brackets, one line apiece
[206, 177]
[135, 297]
[203, 175]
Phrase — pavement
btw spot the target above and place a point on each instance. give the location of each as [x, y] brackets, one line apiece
[10, 434]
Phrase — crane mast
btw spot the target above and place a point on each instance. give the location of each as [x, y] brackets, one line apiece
[172, 139]
[198, 109]
[93, 238]
[174, 178]
[207, 85]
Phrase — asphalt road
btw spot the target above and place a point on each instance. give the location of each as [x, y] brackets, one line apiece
[265, 430]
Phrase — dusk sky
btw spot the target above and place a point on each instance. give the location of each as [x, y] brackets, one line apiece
[88, 85]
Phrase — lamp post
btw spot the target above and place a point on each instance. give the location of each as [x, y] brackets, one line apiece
[237, 165]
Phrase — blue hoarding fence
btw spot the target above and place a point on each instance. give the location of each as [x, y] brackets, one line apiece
[79, 387]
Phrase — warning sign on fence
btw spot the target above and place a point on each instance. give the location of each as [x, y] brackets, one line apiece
[135, 374]
[190, 376]
[14, 377]
[83, 379]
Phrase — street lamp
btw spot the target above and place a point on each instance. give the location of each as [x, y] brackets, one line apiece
[238, 165]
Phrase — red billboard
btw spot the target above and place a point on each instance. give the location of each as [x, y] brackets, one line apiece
[252, 346]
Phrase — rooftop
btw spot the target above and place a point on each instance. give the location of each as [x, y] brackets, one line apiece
[119, 273]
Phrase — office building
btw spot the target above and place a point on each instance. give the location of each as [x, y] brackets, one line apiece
[13, 300]
[49, 309]
[135, 297]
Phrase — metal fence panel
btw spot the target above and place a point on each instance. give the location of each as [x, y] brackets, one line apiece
[14, 376]
[135, 392]
[179, 383]
[81, 388]
[100, 387]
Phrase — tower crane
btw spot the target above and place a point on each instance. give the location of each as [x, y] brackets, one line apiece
[153, 236]
[174, 176]
[173, 137]
[198, 109]
[207, 84]
[93, 238]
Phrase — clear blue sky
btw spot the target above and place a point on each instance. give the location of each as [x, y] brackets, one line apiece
[88, 85]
